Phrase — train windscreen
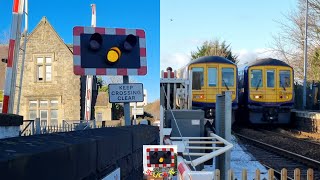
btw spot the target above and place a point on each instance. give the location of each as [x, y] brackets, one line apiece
[227, 77]
[284, 77]
[256, 78]
[197, 78]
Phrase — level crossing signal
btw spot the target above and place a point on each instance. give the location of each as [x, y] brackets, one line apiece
[109, 51]
[160, 157]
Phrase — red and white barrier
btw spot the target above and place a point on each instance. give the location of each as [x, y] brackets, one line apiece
[183, 169]
[13, 55]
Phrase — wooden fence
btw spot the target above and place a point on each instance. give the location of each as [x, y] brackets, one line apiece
[271, 175]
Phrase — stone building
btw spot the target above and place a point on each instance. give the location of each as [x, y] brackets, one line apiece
[103, 107]
[50, 90]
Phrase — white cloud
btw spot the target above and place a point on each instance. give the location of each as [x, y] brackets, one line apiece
[174, 60]
[247, 56]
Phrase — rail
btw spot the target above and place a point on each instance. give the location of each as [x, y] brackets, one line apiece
[312, 162]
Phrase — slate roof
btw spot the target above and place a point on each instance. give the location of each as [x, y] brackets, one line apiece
[102, 99]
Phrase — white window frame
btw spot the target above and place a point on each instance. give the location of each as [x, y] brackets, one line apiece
[41, 120]
[45, 74]
[99, 113]
[48, 108]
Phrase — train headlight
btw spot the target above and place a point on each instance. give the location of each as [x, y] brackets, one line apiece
[256, 97]
[201, 96]
[287, 97]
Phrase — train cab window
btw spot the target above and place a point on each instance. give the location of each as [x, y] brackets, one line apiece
[197, 78]
[284, 77]
[256, 78]
[227, 77]
[270, 78]
[212, 77]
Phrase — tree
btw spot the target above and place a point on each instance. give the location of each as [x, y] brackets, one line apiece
[289, 43]
[214, 48]
[102, 84]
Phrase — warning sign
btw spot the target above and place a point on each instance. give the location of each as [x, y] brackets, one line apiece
[120, 93]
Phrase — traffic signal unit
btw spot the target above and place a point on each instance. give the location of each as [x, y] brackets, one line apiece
[160, 157]
[109, 51]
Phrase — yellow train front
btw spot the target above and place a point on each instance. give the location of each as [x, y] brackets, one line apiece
[211, 75]
[266, 93]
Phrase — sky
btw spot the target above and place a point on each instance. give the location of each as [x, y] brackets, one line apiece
[248, 25]
[64, 15]
[173, 28]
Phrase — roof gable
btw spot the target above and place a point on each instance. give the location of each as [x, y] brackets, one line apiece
[44, 23]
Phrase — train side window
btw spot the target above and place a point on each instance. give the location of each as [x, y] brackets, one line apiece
[256, 78]
[270, 78]
[197, 78]
[212, 77]
[284, 77]
[227, 77]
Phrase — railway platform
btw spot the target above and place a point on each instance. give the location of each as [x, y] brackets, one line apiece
[307, 121]
[242, 159]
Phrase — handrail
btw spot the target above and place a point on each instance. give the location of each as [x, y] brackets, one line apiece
[25, 128]
[215, 139]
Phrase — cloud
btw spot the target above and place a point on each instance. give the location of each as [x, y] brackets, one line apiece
[174, 60]
[247, 56]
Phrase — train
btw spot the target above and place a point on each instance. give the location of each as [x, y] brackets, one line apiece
[262, 92]
[211, 75]
[266, 92]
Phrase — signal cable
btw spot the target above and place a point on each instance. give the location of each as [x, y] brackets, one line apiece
[175, 121]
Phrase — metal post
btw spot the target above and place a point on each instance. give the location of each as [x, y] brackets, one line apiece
[168, 90]
[304, 103]
[89, 78]
[189, 99]
[227, 126]
[223, 129]
[161, 124]
[38, 127]
[126, 105]
[32, 127]
[94, 123]
[25, 32]
[135, 113]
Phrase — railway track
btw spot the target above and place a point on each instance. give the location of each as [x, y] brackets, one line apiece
[276, 157]
[306, 140]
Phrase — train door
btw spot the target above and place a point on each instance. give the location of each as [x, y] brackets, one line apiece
[256, 84]
[212, 82]
[284, 84]
[228, 80]
[198, 83]
[270, 90]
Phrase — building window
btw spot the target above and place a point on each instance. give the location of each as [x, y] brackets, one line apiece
[0, 107]
[44, 69]
[99, 116]
[46, 110]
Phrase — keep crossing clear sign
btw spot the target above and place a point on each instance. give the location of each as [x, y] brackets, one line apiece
[120, 93]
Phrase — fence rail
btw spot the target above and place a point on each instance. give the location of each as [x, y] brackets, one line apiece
[32, 127]
[271, 175]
